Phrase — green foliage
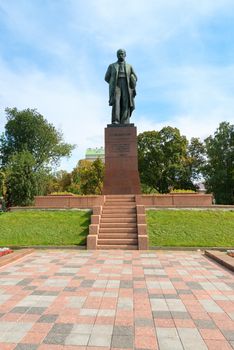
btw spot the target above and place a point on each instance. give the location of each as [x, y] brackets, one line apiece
[2, 183]
[189, 228]
[60, 181]
[196, 154]
[28, 148]
[219, 170]
[145, 189]
[21, 180]
[88, 177]
[27, 130]
[163, 160]
[182, 191]
[26, 228]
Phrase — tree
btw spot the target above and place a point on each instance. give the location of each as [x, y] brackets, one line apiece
[2, 183]
[27, 130]
[60, 181]
[87, 177]
[20, 180]
[33, 143]
[163, 160]
[219, 170]
[196, 158]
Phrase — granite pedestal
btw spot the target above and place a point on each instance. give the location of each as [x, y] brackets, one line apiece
[121, 163]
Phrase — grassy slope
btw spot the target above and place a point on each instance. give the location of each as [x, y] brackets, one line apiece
[166, 228]
[189, 228]
[44, 228]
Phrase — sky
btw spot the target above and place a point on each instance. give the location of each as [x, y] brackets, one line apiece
[54, 55]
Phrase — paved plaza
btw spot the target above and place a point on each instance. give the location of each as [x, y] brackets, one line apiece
[71, 299]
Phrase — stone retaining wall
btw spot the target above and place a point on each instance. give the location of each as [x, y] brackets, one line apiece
[68, 201]
[163, 200]
[175, 199]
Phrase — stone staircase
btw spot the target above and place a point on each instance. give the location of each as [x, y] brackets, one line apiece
[118, 224]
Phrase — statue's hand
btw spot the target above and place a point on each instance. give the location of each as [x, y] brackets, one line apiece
[111, 101]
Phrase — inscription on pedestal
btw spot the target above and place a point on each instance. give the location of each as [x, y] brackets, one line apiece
[121, 149]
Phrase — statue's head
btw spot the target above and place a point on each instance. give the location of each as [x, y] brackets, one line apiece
[121, 54]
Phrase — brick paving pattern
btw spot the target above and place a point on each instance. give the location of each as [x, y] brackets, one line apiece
[67, 300]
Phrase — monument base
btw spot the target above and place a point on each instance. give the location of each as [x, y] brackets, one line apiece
[121, 163]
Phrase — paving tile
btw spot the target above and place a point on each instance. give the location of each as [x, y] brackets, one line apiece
[144, 322]
[175, 305]
[47, 318]
[191, 337]
[213, 334]
[146, 342]
[218, 345]
[20, 309]
[205, 324]
[106, 313]
[62, 328]
[26, 347]
[36, 310]
[88, 312]
[76, 302]
[126, 284]
[123, 330]
[77, 339]
[87, 283]
[55, 338]
[194, 285]
[12, 337]
[82, 328]
[180, 315]
[102, 329]
[67, 300]
[228, 334]
[122, 341]
[210, 305]
[125, 303]
[100, 340]
[168, 339]
[34, 337]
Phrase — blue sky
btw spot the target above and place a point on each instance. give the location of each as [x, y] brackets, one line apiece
[54, 55]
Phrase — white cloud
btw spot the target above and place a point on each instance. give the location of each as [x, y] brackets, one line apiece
[77, 111]
[202, 97]
[142, 23]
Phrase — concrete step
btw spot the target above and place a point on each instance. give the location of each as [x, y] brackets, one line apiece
[117, 236]
[117, 230]
[120, 204]
[123, 205]
[118, 220]
[119, 247]
[117, 210]
[116, 241]
[118, 224]
[119, 216]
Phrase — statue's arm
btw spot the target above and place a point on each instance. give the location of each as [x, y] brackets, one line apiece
[133, 73]
[108, 74]
[133, 80]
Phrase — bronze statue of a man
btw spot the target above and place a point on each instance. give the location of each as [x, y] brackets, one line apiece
[122, 89]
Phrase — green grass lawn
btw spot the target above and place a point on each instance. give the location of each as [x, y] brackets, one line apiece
[184, 228]
[44, 228]
[190, 228]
